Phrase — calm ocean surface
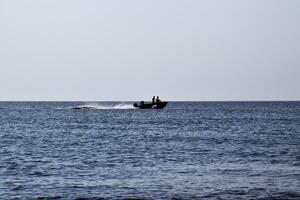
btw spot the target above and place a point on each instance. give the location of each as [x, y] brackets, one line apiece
[189, 150]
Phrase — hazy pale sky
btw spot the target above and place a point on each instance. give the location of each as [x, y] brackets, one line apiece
[133, 49]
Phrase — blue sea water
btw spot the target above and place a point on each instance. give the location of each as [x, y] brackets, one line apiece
[189, 150]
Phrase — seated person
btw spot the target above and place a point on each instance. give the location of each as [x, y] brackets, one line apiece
[157, 99]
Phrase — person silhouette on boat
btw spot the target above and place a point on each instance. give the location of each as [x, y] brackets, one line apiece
[157, 99]
[153, 99]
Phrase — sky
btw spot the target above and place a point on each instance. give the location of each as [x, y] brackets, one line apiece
[120, 50]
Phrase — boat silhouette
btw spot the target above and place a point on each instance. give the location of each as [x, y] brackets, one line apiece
[156, 105]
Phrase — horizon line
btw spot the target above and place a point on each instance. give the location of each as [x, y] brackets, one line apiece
[149, 100]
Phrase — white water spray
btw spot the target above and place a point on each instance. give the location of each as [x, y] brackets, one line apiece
[97, 106]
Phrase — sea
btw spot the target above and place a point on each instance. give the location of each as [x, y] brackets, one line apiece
[112, 151]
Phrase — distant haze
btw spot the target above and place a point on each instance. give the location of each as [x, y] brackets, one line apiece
[93, 50]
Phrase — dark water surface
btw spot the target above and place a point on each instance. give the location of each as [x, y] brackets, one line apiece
[190, 150]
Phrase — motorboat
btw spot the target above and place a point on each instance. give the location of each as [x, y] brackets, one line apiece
[154, 105]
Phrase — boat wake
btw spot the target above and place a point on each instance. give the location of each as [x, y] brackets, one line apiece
[103, 106]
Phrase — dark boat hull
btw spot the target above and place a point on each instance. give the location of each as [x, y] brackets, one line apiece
[159, 105]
